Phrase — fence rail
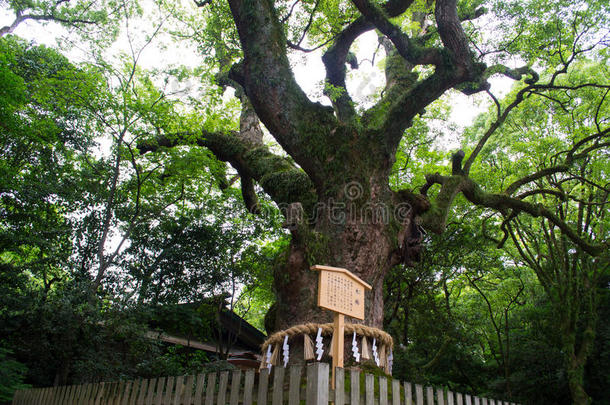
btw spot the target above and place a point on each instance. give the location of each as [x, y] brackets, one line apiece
[281, 386]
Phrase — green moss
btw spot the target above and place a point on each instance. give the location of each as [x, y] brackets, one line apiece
[434, 219]
[318, 248]
[286, 183]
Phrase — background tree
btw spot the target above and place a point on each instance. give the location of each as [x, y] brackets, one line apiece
[70, 206]
[571, 179]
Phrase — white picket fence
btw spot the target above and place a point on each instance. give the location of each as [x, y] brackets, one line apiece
[288, 386]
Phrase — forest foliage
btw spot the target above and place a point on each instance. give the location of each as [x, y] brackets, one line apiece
[96, 235]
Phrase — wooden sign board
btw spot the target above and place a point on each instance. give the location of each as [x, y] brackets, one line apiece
[341, 291]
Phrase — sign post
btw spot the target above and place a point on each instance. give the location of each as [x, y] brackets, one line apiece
[342, 292]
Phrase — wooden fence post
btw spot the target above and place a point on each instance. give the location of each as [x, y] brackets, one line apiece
[126, 393]
[152, 384]
[419, 394]
[440, 396]
[169, 390]
[222, 388]
[248, 387]
[408, 393]
[339, 386]
[143, 391]
[294, 392]
[178, 391]
[383, 391]
[159, 391]
[235, 385]
[263, 384]
[199, 389]
[209, 389]
[278, 386]
[429, 396]
[188, 390]
[395, 392]
[317, 384]
[369, 389]
[89, 393]
[354, 387]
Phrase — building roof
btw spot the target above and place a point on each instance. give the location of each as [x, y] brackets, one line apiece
[190, 324]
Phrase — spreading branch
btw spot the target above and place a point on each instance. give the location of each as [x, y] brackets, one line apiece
[571, 157]
[20, 18]
[269, 83]
[453, 65]
[404, 45]
[284, 182]
[435, 218]
[335, 57]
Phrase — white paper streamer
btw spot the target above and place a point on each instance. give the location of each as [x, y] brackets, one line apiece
[390, 361]
[319, 344]
[355, 351]
[269, 365]
[375, 354]
[286, 351]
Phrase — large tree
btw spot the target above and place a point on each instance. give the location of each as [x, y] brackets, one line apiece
[333, 185]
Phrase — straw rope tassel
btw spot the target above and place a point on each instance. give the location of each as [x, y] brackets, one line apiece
[366, 353]
[383, 361]
[326, 329]
[275, 356]
[266, 359]
[307, 348]
[332, 346]
[275, 341]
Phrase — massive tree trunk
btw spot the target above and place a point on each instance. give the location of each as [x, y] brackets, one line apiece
[360, 226]
[343, 212]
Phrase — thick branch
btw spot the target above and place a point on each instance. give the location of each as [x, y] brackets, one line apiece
[404, 45]
[335, 57]
[10, 28]
[452, 34]
[284, 182]
[334, 61]
[453, 65]
[482, 84]
[249, 194]
[44, 17]
[270, 85]
[435, 218]
[400, 111]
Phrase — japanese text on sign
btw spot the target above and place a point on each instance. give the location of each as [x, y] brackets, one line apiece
[341, 291]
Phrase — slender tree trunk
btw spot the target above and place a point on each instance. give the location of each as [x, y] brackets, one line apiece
[576, 347]
[576, 373]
